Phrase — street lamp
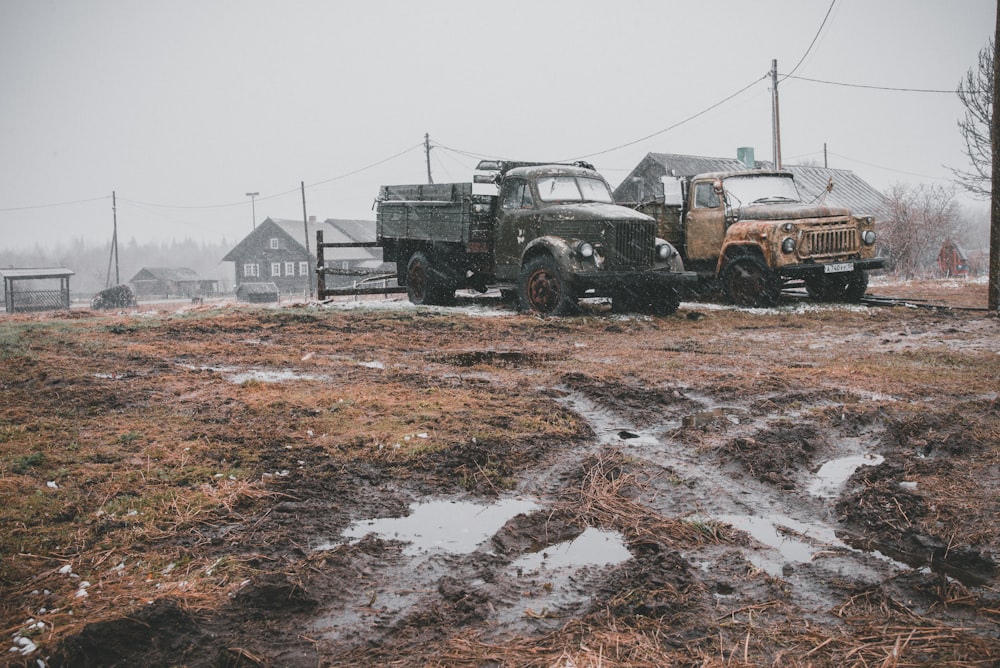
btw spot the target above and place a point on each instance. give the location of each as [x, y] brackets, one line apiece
[253, 209]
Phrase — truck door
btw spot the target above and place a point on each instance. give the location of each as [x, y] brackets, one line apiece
[705, 222]
[516, 220]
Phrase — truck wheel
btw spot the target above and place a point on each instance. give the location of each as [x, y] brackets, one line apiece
[848, 288]
[543, 289]
[427, 285]
[747, 281]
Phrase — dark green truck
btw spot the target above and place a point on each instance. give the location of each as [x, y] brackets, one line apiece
[549, 233]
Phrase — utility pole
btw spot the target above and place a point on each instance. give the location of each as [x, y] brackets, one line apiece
[994, 284]
[775, 122]
[253, 209]
[826, 165]
[427, 151]
[305, 226]
[114, 242]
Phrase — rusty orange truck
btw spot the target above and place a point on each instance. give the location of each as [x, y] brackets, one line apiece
[750, 233]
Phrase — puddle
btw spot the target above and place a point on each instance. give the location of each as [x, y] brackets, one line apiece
[594, 547]
[795, 541]
[269, 376]
[716, 415]
[455, 527]
[831, 476]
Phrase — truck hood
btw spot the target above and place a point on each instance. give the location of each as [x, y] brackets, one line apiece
[591, 211]
[790, 210]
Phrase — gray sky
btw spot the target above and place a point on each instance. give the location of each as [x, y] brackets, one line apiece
[182, 107]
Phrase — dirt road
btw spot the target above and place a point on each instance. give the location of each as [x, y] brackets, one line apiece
[377, 484]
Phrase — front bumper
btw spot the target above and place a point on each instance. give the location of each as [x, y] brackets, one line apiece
[813, 268]
[605, 283]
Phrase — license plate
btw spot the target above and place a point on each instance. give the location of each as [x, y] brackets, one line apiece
[838, 268]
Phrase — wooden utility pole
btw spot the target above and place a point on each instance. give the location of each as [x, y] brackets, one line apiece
[305, 229]
[114, 242]
[994, 284]
[775, 121]
[427, 150]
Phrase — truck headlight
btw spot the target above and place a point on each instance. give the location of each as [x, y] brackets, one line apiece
[664, 252]
[585, 249]
[868, 236]
[788, 245]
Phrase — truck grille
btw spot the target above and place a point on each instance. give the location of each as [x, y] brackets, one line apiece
[829, 242]
[634, 246]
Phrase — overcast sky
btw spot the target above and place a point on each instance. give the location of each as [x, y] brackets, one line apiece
[182, 107]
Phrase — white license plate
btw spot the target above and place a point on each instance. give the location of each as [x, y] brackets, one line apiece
[838, 268]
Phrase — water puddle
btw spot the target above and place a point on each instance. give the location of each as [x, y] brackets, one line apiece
[793, 540]
[718, 414]
[830, 477]
[455, 527]
[594, 547]
[269, 376]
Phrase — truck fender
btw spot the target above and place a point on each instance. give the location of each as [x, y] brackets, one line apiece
[674, 261]
[731, 251]
[559, 248]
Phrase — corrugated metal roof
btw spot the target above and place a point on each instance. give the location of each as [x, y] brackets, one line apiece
[849, 190]
[175, 274]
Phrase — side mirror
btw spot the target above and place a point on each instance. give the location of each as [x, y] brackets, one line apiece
[673, 195]
[717, 187]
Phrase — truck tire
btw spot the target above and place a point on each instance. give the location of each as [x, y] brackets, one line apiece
[543, 289]
[427, 285]
[849, 288]
[747, 281]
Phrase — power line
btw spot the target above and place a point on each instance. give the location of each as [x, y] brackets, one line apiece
[815, 37]
[675, 125]
[46, 206]
[886, 88]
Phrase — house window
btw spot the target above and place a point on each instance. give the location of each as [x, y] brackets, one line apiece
[303, 268]
[251, 270]
[289, 269]
[276, 269]
[274, 244]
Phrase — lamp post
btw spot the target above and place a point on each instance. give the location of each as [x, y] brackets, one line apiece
[253, 209]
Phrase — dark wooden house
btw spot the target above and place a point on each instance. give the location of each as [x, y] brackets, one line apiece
[283, 253]
[36, 289]
[166, 282]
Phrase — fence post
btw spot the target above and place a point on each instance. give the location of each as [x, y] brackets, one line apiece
[320, 265]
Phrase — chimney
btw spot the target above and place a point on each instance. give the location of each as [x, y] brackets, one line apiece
[745, 155]
[312, 219]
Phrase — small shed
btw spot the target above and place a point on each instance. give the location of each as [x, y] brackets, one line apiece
[36, 289]
[257, 293]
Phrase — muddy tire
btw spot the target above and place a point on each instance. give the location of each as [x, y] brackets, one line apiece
[747, 281]
[849, 288]
[427, 284]
[543, 289]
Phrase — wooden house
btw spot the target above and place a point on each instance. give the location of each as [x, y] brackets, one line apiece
[166, 282]
[283, 252]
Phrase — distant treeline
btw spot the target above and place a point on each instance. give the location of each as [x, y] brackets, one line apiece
[94, 265]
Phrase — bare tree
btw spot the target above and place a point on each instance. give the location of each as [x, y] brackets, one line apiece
[919, 220]
[976, 93]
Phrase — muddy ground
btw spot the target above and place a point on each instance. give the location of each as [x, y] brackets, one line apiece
[371, 483]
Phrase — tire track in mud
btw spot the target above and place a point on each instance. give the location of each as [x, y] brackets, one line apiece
[794, 534]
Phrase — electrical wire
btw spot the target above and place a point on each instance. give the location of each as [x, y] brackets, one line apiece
[46, 206]
[675, 125]
[885, 88]
[813, 42]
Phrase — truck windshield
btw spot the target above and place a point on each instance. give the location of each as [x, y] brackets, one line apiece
[765, 188]
[573, 189]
